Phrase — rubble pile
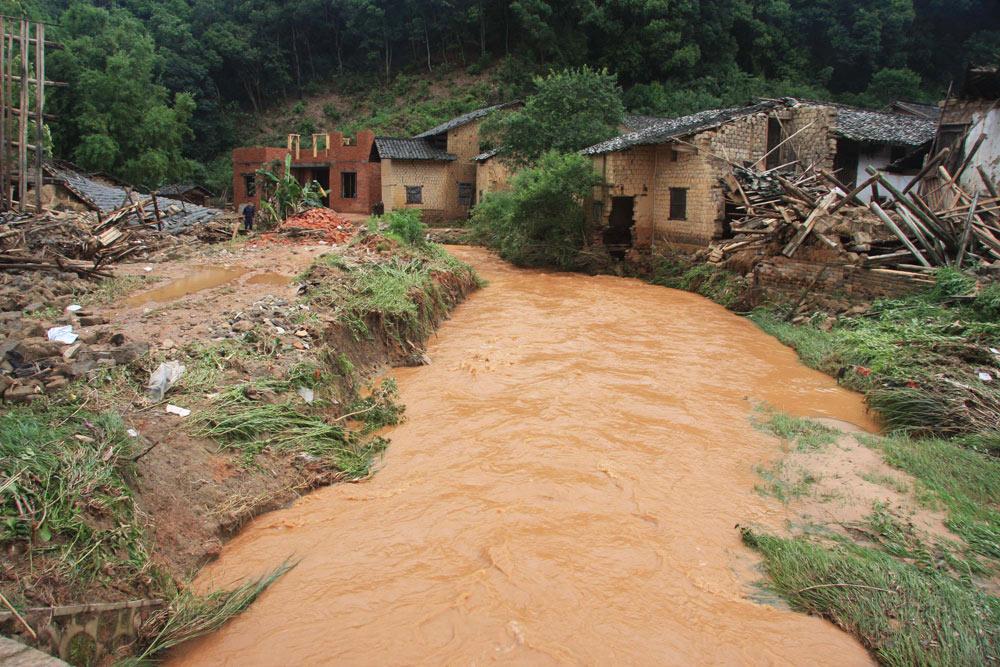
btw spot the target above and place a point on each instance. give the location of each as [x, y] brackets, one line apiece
[38, 356]
[285, 323]
[321, 225]
[779, 211]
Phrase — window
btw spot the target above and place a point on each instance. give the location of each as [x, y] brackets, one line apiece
[250, 184]
[348, 185]
[678, 203]
[673, 155]
[465, 191]
[414, 194]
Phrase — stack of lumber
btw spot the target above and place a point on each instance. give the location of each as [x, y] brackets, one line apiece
[779, 212]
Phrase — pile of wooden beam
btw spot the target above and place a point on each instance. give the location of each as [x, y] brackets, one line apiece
[68, 242]
[778, 212]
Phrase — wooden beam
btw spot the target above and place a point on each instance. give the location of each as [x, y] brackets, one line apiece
[927, 168]
[966, 232]
[3, 114]
[899, 233]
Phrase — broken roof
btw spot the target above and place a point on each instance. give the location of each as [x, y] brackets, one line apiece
[486, 155]
[465, 119]
[181, 188]
[918, 109]
[981, 82]
[671, 128]
[394, 148]
[176, 215]
[883, 128]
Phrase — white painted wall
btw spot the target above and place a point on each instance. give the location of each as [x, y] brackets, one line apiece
[878, 158]
[988, 155]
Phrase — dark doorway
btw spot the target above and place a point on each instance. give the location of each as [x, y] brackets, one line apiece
[845, 162]
[322, 176]
[773, 141]
[618, 235]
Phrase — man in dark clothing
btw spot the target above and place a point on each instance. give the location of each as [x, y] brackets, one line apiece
[248, 213]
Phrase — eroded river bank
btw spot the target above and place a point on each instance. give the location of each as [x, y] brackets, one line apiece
[565, 490]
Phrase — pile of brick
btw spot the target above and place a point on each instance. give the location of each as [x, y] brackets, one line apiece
[36, 360]
[312, 225]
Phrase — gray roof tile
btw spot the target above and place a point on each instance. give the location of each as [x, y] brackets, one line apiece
[666, 129]
[884, 128]
[393, 148]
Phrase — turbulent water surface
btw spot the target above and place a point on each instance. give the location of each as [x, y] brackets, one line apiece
[565, 489]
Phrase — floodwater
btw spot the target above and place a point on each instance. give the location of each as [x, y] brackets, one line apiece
[204, 277]
[565, 490]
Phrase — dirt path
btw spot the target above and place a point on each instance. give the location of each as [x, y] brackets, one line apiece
[566, 490]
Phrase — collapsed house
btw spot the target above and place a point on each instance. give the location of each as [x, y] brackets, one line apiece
[434, 171]
[666, 182]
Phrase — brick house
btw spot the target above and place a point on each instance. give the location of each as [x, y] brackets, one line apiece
[435, 171]
[663, 183]
[343, 166]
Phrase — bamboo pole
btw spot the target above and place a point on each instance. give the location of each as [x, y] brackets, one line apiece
[3, 114]
[966, 232]
[877, 210]
[22, 125]
[39, 107]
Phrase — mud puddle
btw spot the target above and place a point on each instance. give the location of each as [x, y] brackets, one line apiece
[204, 277]
[269, 278]
[564, 490]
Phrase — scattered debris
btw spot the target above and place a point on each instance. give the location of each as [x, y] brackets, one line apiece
[163, 378]
[177, 410]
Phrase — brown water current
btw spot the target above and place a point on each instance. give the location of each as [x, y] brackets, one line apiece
[565, 490]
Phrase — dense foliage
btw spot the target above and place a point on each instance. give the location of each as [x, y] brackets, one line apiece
[554, 119]
[540, 221]
[158, 86]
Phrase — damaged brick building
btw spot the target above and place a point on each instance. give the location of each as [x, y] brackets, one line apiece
[664, 182]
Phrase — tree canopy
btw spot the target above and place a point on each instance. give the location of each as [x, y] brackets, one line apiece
[571, 109]
[158, 85]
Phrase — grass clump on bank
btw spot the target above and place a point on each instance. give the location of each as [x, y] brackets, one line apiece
[64, 493]
[244, 419]
[719, 285]
[927, 362]
[904, 615]
[804, 433]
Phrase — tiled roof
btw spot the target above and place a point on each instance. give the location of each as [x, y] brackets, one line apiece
[671, 128]
[884, 128]
[465, 119]
[486, 155]
[176, 215]
[633, 122]
[392, 148]
[180, 189]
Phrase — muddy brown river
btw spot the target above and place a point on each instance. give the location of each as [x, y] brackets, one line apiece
[565, 490]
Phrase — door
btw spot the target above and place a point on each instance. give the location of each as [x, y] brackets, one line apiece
[618, 235]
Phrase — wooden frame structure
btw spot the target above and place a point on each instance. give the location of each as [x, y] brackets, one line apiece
[22, 99]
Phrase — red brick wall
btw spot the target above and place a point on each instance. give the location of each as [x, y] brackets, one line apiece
[340, 158]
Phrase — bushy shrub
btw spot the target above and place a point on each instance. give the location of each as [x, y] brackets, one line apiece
[406, 226]
[541, 221]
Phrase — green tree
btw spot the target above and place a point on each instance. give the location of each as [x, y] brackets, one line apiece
[570, 110]
[541, 221]
[115, 116]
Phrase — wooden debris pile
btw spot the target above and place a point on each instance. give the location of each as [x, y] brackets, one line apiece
[778, 212]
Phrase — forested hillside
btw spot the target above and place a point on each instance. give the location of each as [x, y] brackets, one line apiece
[162, 89]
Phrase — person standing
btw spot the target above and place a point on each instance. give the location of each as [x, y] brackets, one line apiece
[248, 213]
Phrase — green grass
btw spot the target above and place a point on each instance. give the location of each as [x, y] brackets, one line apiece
[110, 290]
[964, 482]
[239, 420]
[779, 481]
[805, 434]
[64, 491]
[719, 285]
[902, 614]
[916, 358]
[190, 616]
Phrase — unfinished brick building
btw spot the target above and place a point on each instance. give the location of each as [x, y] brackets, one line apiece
[343, 166]
[663, 183]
